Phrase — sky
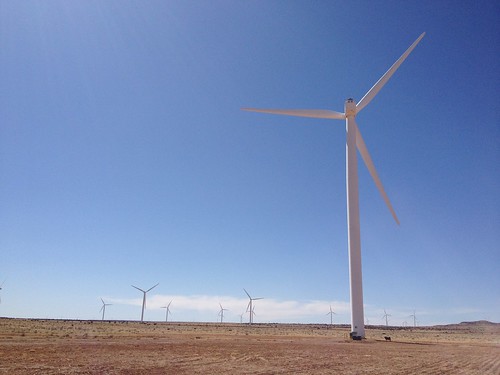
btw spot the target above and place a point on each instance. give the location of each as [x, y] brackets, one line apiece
[125, 159]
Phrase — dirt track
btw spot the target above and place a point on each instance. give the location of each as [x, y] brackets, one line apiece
[85, 347]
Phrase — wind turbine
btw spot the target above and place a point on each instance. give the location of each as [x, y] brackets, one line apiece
[1, 285]
[250, 309]
[386, 316]
[167, 311]
[144, 298]
[414, 318]
[354, 140]
[331, 315]
[103, 308]
[221, 312]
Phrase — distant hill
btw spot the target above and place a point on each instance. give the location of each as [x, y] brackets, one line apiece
[474, 324]
[478, 323]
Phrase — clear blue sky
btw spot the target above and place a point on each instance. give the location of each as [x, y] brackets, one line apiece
[125, 159]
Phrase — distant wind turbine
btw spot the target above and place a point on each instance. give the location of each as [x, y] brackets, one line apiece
[414, 318]
[331, 315]
[354, 140]
[103, 308]
[221, 312]
[386, 316]
[167, 311]
[144, 298]
[250, 308]
[1, 286]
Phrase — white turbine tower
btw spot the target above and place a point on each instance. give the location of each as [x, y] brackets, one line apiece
[354, 140]
[331, 313]
[250, 308]
[144, 298]
[103, 308]
[167, 311]
[221, 312]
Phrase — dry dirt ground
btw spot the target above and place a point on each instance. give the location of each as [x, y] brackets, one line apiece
[95, 347]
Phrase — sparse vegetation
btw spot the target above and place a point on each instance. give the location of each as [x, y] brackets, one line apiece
[54, 347]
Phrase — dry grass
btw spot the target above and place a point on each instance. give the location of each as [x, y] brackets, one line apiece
[94, 347]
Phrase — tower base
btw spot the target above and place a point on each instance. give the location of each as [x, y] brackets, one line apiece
[355, 336]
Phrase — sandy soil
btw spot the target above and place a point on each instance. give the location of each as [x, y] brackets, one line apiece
[95, 347]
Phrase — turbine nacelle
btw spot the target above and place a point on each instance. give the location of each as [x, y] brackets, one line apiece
[350, 107]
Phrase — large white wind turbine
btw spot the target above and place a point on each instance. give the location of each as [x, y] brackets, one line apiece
[250, 308]
[144, 298]
[354, 140]
[103, 308]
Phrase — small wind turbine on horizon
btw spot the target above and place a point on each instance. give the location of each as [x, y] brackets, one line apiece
[414, 316]
[354, 140]
[167, 311]
[103, 308]
[144, 298]
[221, 312]
[250, 307]
[386, 316]
[331, 313]
[1, 286]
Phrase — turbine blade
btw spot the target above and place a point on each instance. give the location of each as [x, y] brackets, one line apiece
[152, 287]
[314, 113]
[360, 143]
[255, 299]
[247, 293]
[383, 80]
[137, 288]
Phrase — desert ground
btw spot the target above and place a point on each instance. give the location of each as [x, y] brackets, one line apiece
[35, 346]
